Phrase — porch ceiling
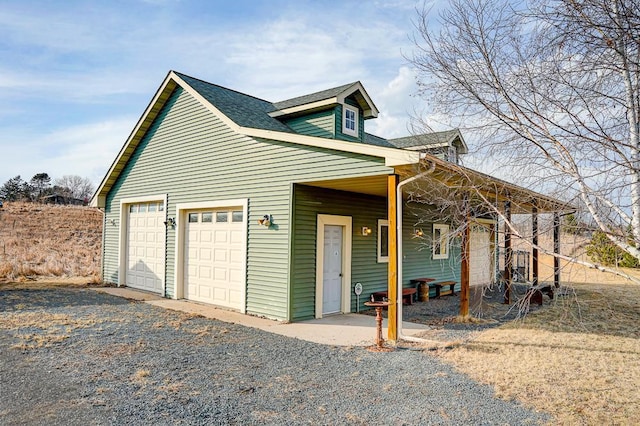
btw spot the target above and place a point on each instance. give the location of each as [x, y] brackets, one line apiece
[371, 185]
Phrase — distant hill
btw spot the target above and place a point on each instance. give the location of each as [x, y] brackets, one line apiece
[49, 240]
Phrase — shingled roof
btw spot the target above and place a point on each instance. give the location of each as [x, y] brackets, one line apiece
[426, 139]
[242, 109]
[313, 97]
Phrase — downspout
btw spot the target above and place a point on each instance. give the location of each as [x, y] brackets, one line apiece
[399, 250]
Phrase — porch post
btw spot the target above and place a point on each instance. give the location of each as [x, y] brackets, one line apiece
[556, 249]
[464, 263]
[508, 252]
[392, 268]
[534, 226]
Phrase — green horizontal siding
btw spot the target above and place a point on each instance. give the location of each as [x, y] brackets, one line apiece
[321, 124]
[365, 211]
[192, 156]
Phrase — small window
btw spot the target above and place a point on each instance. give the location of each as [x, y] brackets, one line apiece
[440, 241]
[142, 208]
[222, 217]
[133, 208]
[350, 121]
[237, 216]
[383, 241]
[161, 207]
[153, 207]
[207, 217]
[193, 217]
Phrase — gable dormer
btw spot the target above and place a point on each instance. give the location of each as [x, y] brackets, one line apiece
[336, 113]
[447, 145]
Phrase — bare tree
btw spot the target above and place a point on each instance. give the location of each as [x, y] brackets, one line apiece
[553, 88]
[75, 186]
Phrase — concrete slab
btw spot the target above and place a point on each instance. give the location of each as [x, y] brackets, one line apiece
[336, 330]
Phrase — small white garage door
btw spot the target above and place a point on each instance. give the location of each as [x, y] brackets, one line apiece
[480, 270]
[215, 256]
[145, 246]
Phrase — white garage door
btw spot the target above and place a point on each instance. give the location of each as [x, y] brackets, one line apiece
[480, 271]
[215, 256]
[145, 246]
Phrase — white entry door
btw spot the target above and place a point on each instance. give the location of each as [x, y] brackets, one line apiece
[215, 256]
[332, 270]
[145, 246]
[480, 269]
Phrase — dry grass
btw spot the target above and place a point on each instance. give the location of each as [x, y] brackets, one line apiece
[48, 240]
[44, 329]
[578, 359]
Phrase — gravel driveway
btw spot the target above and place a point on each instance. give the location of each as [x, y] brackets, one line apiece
[76, 356]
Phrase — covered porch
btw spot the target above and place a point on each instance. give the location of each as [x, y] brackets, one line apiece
[460, 197]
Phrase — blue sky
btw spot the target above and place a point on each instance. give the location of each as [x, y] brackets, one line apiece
[75, 76]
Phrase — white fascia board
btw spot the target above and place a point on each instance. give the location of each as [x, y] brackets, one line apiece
[99, 199]
[304, 107]
[373, 112]
[392, 156]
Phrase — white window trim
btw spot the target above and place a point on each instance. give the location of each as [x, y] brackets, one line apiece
[346, 130]
[444, 241]
[381, 258]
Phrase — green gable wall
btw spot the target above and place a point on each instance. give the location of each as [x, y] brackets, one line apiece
[364, 210]
[338, 128]
[192, 156]
[321, 124]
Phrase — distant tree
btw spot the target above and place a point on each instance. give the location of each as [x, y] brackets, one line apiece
[39, 185]
[602, 250]
[75, 186]
[15, 189]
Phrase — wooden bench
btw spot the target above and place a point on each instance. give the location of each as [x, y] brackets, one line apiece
[438, 286]
[407, 295]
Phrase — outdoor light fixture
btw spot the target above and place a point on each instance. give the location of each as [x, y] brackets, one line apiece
[366, 231]
[265, 221]
[171, 222]
[418, 232]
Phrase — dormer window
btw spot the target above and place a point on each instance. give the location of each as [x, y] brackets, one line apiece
[350, 121]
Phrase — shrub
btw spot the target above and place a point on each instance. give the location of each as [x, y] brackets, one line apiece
[602, 250]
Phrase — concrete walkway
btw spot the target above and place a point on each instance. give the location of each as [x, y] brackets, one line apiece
[337, 330]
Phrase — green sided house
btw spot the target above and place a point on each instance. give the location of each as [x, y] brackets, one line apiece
[278, 209]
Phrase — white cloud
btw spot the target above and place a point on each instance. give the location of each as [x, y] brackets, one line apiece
[85, 150]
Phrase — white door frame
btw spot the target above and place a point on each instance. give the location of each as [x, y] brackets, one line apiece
[122, 236]
[345, 222]
[181, 217]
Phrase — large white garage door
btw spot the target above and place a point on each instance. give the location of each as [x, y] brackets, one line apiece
[480, 270]
[145, 246]
[215, 256]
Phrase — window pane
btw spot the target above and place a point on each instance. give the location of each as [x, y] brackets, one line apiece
[153, 207]
[384, 240]
[142, 208]
[133, 208]
[193, 217]
[221, 216]
[207, 217]
[237, 216]
[161, 207]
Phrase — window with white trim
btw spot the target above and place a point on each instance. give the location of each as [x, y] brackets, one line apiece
[349, 120]
[383, 241]
[440, 241]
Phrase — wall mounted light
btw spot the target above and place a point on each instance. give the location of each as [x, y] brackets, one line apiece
[265, 220]
[170, 222]
[366, 231]
[418, 233]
